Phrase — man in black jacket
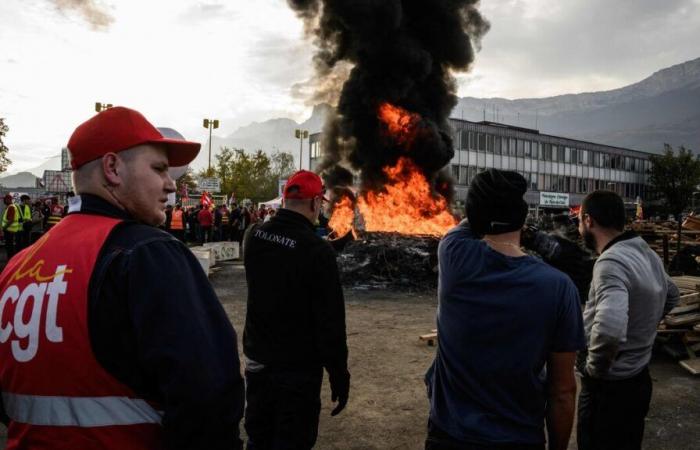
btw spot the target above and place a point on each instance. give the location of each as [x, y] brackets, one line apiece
[295, 323]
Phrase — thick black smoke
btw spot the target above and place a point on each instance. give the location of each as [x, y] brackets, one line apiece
[403, 52]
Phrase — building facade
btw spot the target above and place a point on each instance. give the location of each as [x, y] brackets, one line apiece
[560, 171]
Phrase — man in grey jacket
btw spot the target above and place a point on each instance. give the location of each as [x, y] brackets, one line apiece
[629, 295]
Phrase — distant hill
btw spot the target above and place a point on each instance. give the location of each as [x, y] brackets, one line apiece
[270, 136]
[663, 108]
[19, 180]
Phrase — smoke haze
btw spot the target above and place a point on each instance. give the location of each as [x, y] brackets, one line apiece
[94, 13]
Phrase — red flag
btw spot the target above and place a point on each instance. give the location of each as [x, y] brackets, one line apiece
[205, 199]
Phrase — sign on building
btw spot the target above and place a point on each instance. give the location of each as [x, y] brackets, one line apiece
[554, 199]
[58, 181]
[209, 185]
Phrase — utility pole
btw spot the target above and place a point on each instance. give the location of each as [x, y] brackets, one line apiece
[301, 135]
[210, 124]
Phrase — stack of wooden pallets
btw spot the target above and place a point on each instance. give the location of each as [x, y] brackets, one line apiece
[683, 323]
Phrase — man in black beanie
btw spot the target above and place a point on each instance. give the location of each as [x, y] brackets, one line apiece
[509, 327]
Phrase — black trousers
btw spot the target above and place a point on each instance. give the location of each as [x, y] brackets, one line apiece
[282, 408]
[11, 241]
[440, 440]
[611, 413]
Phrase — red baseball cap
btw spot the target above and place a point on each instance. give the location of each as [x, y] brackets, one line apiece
[307, 184]
[117, 129]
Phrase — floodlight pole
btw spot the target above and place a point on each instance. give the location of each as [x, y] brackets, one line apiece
[210, 124]
[99, 107]
[301, 134]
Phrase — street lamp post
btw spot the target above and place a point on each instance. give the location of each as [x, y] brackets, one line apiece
[210, 124]
[99, 107]
[301, 135]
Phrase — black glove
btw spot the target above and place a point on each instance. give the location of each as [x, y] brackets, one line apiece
[340, 388]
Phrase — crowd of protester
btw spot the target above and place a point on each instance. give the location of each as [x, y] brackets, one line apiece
[211, 223]
[25, 222]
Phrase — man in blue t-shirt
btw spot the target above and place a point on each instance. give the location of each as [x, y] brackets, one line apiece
[509, 327]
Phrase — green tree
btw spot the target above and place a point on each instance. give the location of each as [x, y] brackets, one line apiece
[675, 177]
[4, 160]
[251, 175]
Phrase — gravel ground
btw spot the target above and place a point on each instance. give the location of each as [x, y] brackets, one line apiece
[388, 408]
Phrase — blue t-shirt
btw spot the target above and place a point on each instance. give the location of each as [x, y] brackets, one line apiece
[498, 319]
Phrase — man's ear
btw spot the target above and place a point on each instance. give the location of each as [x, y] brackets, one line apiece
[110, 168]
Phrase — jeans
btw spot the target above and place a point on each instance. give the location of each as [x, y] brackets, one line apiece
[611, 412]
[440, 440]
[282, 408]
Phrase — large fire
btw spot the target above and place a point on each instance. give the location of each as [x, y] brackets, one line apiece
[402, 125]
[407, 205]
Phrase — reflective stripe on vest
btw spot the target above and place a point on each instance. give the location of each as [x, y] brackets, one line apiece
[14, 226]
[78, 411]
[55, 216]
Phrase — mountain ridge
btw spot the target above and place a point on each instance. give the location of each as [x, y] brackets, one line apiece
[661, 108]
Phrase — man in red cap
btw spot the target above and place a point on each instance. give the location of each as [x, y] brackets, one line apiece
[111, 336]
[295, 322]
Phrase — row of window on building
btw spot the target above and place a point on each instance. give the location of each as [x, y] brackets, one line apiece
[559, 183]
[523, 148]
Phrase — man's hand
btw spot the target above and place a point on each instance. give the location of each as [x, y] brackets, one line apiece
[340, 388]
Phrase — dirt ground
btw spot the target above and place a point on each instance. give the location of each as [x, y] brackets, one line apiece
[388, 408]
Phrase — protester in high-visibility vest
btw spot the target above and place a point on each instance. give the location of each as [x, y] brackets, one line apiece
[131, 348]
[11, 226]
[25, 217]
[56, 213]
[177, 223]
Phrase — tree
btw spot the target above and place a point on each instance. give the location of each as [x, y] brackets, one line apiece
[4, 160]
[675, 177]
[251, 175]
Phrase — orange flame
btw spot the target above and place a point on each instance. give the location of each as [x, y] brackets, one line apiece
[342, 217]
[408, 206]
[401, 124]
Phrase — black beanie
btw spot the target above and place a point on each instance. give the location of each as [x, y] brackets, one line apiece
[495, 202]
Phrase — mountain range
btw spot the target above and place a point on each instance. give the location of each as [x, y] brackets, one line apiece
[662, 108]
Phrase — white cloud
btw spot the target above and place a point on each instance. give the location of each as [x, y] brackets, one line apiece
[179, 61]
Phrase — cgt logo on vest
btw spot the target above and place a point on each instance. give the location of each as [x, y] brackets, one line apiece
[24, 326]
[32, 311]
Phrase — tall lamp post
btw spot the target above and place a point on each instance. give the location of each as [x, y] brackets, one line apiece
[301, 135]
[99, 107]
[210, 124]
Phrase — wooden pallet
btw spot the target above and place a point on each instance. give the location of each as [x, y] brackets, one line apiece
[691, 365]
[430, 338]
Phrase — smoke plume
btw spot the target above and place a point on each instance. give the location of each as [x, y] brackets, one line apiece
[92, 12]
[402, 52]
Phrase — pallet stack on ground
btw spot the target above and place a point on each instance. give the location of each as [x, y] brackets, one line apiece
[683, 323]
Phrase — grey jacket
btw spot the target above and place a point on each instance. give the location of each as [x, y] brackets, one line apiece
[629, 295]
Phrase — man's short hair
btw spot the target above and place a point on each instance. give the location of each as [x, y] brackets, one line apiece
[606, 208]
